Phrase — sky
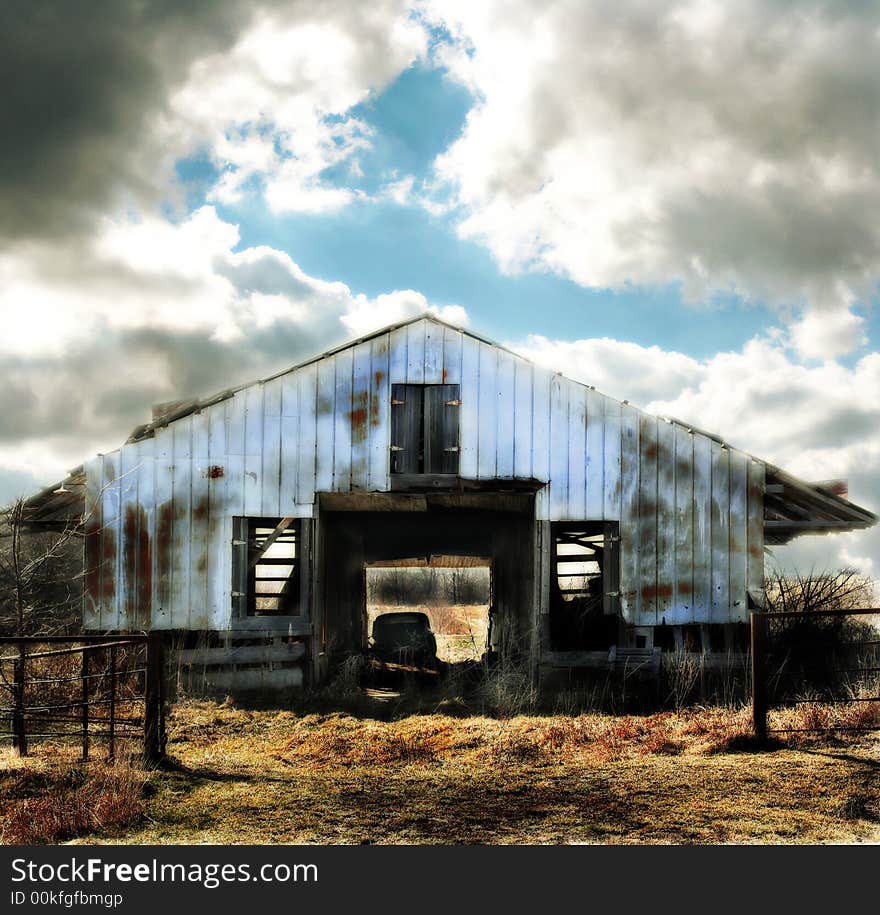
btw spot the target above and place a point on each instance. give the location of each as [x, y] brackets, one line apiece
[675, 202]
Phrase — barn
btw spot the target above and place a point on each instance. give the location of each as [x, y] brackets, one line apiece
[250, 517]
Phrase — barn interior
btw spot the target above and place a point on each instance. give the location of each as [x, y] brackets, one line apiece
[361, 535]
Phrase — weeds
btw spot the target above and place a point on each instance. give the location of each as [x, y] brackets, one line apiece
[72, 801]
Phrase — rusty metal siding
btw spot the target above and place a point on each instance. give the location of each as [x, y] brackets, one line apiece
[380, 415]
[558, 444]
[681, 609]
[359, 418]
[611, 491]
[216, 473]
[666, 466]
[307, 442]
[470, 408]
[630, 596]
[487, 417]
[541, 387]
[523, 421]
[720, 524]
[576, 496]
[738, 533]
[755, 530]
[505, 439]
[702, 553]
[158, 547]
[595, 456]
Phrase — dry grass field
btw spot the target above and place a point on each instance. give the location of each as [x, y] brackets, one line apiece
[244, 776]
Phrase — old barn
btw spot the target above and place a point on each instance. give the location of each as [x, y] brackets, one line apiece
[251, 517]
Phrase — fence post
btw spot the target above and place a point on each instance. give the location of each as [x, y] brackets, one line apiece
[111, 751]
[759, 677]
[84, 673]
[18, 725]
[154, 724]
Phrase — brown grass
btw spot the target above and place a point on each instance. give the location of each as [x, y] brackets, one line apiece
[693, 776]
[55, 801]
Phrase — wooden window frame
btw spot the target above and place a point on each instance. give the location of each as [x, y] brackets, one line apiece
[245, 553]
[609, 563]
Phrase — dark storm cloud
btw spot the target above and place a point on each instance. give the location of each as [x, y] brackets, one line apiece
[111, 381]
[81, 82]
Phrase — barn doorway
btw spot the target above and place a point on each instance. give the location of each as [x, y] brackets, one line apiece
[451, 595]
[463, 561]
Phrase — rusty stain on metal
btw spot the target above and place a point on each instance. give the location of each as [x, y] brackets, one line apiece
[92, 558]
[108, 562]
[214, 472]
[163, 552]
[357, 416]
[652, 592]
[200, 510]
[138, 564]
[375, 401]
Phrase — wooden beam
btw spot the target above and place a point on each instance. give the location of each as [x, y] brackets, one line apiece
[279, 625]
[243, 654]
[283, 525]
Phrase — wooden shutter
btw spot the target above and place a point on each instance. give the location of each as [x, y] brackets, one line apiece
[406, 427]
[442, 410]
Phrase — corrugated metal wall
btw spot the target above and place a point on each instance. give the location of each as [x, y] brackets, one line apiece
[690, 509]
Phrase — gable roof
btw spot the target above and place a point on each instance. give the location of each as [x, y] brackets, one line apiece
[792, 506]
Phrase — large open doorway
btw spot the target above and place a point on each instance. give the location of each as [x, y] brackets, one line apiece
[450, 595]
[464, 562]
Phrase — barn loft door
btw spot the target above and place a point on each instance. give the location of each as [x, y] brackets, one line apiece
[425, 428]
[407, 411]
[441, 428]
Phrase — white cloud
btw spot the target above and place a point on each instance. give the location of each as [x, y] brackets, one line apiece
[727, 146]
[275, 109]
[824, 335]
[366, 315]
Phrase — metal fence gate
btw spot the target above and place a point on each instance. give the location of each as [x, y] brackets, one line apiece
[102, 690]
[829, 657]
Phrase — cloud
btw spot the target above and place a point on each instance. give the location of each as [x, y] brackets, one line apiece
[276, 107]
[82, 93]
[817, 421]
[97, 109]
[153, 311]
[820, 335]
[728, 146]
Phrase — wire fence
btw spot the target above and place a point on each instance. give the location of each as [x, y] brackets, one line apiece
[817, 660]
[94, 690]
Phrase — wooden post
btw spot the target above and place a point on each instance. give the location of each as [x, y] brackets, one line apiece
[84, 674]
[111, 752]
[759, 675]
[18, 725]
[154, 725]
